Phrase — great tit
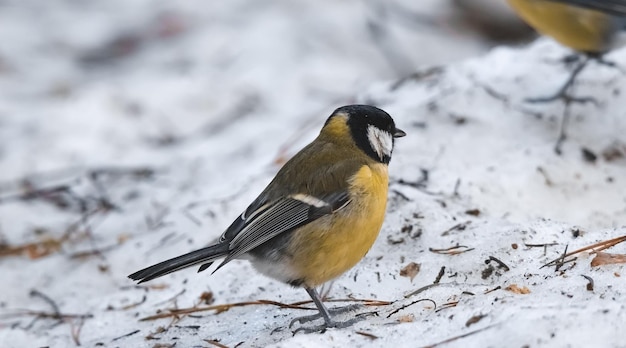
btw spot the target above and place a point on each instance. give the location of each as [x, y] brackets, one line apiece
[320, 214]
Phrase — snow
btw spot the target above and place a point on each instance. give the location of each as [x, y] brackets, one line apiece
[209, 107]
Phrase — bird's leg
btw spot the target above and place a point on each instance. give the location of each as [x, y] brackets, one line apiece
[599, 58]
[562, 134]
[561, 93]
[326, 315]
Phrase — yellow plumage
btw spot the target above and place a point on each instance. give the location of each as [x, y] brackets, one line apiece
[579, 28]
[326, 249]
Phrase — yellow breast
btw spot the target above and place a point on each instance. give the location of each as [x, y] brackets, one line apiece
[328, 247]
[575, 27]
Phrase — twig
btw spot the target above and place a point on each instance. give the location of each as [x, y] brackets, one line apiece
[167, 239]
[492, 290]
[440, 275]
[422, 289]
[402, 195]
[561, 261]
[93, 252]
[460, 227]
[460, 336]
[55, 307]
[215, 343]
[410, 304]
[596, 247]
[447, 305]
[366, 302]
[419, 183]
[217, 308]
[500, 263]
[76, 329]
[451, 250]
[49, 245]
[126, 335]
[61, 195]
[546, 178]
[457, 185]
[34, 250]
[540, 245]
[46, 315]
[590, 284]
[225, 307]
[505, 99]
[187, 213]
[417, 76]
[367, 334]
[475, 319]
[129, 306]
[171, 298]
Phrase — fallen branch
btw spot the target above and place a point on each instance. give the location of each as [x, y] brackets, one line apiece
[410, 304]
[225, 307]
[46, 315]
[595, 248]
[452, 339]
[455, 250]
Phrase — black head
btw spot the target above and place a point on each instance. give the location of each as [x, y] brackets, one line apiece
[372, 129]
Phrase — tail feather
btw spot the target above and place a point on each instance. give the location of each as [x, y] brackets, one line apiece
[208, 254]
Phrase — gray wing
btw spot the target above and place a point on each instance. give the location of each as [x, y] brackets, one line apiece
[614, 7]
[265, 220]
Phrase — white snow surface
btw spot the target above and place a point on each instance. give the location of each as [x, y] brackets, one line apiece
[213, 109]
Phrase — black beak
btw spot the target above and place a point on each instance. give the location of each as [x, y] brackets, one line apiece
[398, 133]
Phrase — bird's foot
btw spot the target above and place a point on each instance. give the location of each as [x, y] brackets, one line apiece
[329, 323]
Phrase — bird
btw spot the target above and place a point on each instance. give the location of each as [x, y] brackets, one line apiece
[319, 215]
[586, 26]
[589, 27]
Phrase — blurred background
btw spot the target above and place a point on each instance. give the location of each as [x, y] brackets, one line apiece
[75, 73]
[131, 131]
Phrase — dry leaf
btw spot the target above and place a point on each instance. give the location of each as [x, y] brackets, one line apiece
[474, 319]
[122, 238]
[158, 286]
[607, 259]
[367, 334]
[215, 343]
[517, 290]
[409, 318]
[411, 270]
[207, 297]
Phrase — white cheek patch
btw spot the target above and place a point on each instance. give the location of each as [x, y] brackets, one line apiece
[380, 140]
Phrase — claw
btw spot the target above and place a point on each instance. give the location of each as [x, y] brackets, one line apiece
[333, 324]
[326, 315]
[332, 312]
[562, 94]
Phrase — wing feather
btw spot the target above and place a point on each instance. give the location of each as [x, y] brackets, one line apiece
[614, 7]
[283, 215]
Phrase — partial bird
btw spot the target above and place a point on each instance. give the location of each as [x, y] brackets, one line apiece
[589, 27]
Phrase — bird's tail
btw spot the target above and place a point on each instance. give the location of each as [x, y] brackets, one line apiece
[202, 256]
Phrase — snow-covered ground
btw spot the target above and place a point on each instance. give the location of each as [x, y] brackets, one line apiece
[116, 154]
